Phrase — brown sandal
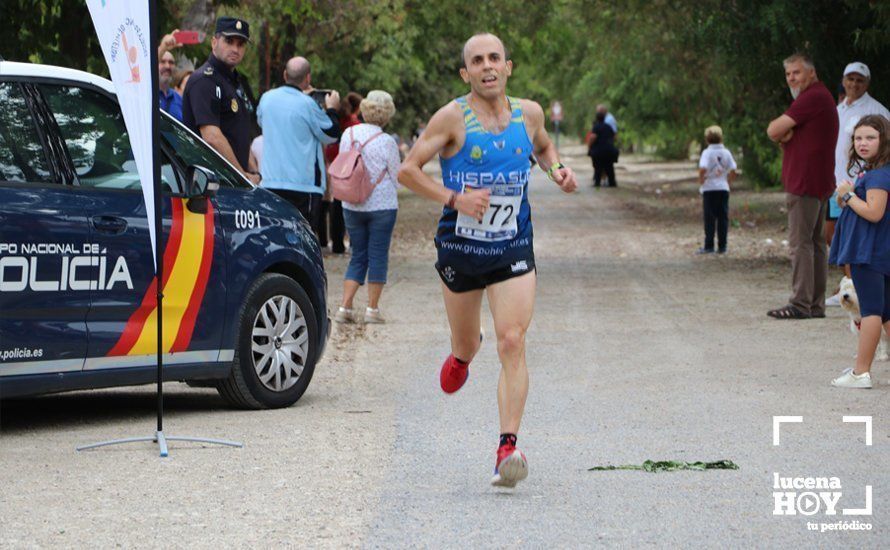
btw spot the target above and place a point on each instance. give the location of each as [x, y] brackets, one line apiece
[787, 312]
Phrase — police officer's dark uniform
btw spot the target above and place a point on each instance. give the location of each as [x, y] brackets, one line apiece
[218, 96]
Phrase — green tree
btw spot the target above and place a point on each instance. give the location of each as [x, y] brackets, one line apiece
[667, 68]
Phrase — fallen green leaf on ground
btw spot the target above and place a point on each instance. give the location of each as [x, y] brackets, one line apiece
[670, 466]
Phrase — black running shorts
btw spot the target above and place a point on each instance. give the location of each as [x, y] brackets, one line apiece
[463, 282]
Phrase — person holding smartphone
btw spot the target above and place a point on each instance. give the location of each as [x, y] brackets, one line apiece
[294, 130]
[168, 98]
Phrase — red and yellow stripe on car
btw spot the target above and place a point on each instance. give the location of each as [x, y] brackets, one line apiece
[187, 259]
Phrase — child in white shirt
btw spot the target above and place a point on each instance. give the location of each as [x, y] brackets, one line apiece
[716, 170]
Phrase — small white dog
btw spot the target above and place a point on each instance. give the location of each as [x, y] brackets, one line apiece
[850, 303]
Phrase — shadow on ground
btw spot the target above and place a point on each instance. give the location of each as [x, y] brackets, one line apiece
[110, 407]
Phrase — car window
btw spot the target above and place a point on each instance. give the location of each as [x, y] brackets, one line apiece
[192, 151]
[22, 157]
[94, 131]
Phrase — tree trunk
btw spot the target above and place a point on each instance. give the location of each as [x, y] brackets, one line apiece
[264, 52]
[71, 36]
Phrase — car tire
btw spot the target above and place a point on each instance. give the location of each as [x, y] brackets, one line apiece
[276, 345]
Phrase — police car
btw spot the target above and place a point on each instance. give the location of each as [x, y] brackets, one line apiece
[244, 286]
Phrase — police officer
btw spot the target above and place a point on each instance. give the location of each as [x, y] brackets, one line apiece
[217, 104]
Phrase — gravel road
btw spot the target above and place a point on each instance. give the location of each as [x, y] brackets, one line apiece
[638, 350]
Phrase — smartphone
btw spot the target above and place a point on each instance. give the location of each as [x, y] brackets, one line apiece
[189, 37]
[318, 94]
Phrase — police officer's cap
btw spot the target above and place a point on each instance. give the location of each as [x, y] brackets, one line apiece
[231, 26]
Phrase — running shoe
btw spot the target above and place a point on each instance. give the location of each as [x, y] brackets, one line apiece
[452, 376]
[850, 380]
[511, 467]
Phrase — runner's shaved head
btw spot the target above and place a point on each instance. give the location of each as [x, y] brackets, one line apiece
[476, 37]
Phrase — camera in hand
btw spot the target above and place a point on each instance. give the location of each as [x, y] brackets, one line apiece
[318, 94]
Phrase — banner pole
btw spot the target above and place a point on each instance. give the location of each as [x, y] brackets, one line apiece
[158, 200]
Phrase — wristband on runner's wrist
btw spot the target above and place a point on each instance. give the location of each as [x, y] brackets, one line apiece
[451, 200]
[553, 168]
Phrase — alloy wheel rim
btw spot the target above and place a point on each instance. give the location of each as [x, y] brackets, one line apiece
[279, 343]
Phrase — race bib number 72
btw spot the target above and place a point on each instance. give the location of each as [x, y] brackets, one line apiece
[499, 221]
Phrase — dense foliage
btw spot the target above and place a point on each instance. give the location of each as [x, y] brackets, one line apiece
[667, 68]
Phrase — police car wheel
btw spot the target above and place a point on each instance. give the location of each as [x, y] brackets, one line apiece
[277, 345]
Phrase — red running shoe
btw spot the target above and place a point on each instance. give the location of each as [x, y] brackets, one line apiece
[452, 376]
[511, 467]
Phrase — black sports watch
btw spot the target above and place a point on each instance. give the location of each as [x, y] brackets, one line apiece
[847, 196]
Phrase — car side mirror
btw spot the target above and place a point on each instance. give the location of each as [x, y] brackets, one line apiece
[201, 181]
[202, 184]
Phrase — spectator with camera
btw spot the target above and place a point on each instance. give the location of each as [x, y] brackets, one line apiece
[169, 98]
[294, 130]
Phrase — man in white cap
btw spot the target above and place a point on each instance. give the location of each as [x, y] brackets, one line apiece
[856, 105]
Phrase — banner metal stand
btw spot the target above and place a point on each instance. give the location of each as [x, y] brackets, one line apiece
[161, 440]
[159, 436]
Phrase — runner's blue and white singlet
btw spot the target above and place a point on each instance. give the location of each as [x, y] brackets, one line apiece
[499, 163]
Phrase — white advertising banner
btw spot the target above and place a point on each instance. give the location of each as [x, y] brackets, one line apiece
[123, 30]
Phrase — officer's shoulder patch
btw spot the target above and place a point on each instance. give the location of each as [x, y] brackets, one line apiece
[208, 71]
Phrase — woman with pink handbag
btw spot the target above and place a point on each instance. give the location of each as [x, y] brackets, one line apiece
[370, 223]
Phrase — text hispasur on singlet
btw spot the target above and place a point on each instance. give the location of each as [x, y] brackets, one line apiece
[500, 163]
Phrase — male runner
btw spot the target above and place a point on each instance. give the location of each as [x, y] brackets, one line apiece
[484, 241]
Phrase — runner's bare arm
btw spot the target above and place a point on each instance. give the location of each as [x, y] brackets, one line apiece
[545, 150]
[439, 134]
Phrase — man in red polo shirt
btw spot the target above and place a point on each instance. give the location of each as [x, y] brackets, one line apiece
[807, 133]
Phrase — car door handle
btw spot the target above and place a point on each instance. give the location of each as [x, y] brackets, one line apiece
[110, 224]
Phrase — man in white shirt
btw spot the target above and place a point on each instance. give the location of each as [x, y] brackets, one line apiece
[855, 105]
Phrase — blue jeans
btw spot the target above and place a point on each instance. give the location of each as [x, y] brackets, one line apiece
[369, 234]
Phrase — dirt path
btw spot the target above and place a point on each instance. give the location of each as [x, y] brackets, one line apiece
[639, 350]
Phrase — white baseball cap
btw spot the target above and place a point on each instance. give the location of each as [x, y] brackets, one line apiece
[858, 67]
